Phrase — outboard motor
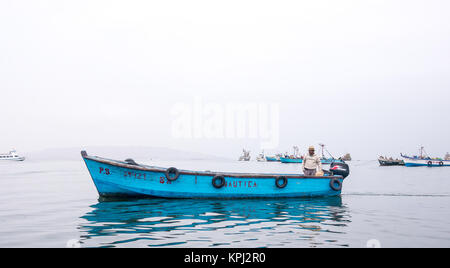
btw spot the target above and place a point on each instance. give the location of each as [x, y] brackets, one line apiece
[341, 169]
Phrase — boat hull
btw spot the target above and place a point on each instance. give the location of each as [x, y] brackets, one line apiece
[329, 161]
[20, 158]
[291, 160]
[271, 159]
[391, 162]
[117, 178]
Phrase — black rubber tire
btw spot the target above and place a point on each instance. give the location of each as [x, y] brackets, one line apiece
[172, 170]
[219, 184]
[441, 163]
[333, 184]
[279, 179]
[430, 163]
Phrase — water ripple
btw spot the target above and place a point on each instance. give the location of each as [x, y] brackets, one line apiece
[211, 222]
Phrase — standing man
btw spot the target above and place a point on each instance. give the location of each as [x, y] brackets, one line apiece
[311, 163]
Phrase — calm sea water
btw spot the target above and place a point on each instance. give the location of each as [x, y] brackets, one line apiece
[48, 203]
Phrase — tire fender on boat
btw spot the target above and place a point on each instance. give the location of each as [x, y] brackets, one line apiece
[172, 170]
[430, 163]
[441, 163]
[281, 181]
[335, 184]
[218, 181]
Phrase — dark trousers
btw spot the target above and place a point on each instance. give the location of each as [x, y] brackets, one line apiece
[309, 172]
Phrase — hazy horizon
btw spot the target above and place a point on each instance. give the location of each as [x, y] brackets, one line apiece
[155, 152]
[367, 78]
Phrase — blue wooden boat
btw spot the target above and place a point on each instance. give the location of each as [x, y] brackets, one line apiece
[291, 160]
[331, 159]
[127, 178]
[325, 161]
[272, 159]
[328, 161]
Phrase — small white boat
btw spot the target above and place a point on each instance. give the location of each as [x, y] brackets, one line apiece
[245, 156]
[12, 155]
[261, 157]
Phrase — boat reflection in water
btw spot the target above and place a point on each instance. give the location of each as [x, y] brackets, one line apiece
[299, 222]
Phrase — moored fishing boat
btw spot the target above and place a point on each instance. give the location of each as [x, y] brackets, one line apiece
[294, 158]
[424, 160]
[288, 159]
[429, 162]
[127, 178]
[245, 155]
[261, 157]
[331, 159]
[328, 161]
[275, 158]
[325, 161]
[384, 161]
[346, 157]
[272, 158]
[12, 155]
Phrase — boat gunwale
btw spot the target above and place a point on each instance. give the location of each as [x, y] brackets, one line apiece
[122, 164]
[419, 159]
[425, 159]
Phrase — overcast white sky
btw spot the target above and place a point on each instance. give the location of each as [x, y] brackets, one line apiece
[367, 77]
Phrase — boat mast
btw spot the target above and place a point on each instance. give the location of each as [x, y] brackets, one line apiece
[423, 153]
[322, 145]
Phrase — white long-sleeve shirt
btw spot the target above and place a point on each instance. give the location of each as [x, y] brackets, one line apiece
[311, 162]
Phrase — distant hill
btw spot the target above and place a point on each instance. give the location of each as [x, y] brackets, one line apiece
[138, 153]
